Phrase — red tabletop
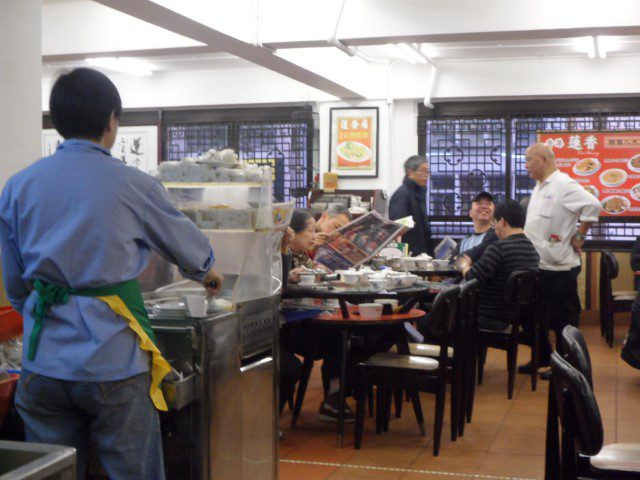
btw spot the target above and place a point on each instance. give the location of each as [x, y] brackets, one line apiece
[336, 318]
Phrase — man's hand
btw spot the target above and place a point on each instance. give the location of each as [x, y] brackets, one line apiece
[577, 244]
[213, 282]
[294, 275]
[463, 263]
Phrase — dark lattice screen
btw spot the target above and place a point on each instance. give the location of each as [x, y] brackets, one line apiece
[466, 158]
[469, 154]
[281, 145]
[193, 139]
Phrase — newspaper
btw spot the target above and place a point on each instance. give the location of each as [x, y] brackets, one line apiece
[358, 241]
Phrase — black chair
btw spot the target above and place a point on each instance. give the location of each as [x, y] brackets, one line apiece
[463, 356]
[412, 373]
[521, 291]
[610, 301]
[582, 454]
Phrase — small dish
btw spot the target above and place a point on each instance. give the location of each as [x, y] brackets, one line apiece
[370, 310]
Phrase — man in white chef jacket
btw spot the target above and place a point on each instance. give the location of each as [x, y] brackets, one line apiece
[559, 216]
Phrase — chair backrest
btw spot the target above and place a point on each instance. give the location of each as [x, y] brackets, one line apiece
[575, 351]
[608, 271]
[611, 262]
[443, 318]
[468, 312]
[577, 409]
[520, 288]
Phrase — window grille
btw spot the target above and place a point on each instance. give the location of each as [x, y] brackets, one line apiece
[284, 146]
[469, 153]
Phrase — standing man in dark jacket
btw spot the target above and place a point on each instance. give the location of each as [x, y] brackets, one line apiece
[410, 200]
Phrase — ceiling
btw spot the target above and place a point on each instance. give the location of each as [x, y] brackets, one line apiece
[294, 38]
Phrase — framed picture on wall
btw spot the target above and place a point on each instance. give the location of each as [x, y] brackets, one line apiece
[354, 142]
[135, 146]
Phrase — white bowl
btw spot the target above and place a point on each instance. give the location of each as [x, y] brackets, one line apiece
[440, 264]
[422, 263]
[307, 279]
[408, 263]
[378, 283]
[586, 166]
[351, 277]
[370, 310]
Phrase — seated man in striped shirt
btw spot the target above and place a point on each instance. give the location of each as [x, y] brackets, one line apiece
[513, 251]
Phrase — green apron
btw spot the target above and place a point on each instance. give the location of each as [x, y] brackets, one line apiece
[125, 299]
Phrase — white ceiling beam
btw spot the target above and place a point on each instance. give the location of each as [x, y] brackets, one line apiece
[495, 36]
[155, 14]
[153, 52]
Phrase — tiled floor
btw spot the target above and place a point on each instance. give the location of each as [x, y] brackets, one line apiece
[505, 439]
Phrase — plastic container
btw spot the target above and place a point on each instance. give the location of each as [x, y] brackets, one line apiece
[7, 389]
[10, 324]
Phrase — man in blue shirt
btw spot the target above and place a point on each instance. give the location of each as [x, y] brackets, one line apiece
[81, 221]
[481, 213]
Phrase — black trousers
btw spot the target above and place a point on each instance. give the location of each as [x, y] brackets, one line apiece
[560, 307]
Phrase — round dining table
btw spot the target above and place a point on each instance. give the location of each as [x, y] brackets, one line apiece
[392, 323]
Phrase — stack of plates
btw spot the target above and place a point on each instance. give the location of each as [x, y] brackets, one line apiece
[173, 308]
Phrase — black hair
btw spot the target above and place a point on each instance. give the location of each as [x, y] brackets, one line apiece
[339, 209]
[512, 212]
[81, 103]
[299, 220]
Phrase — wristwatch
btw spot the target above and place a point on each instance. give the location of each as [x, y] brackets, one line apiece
[580, 236]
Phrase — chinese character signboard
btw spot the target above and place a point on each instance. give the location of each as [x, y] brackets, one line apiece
[354, 142]
[606, 164]
[135, 146]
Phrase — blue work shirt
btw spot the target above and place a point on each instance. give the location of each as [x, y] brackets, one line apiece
[81, 218]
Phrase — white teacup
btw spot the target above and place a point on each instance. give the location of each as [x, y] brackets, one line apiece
[370, 310]
[307, 279]
[351, 277]
[379, 283]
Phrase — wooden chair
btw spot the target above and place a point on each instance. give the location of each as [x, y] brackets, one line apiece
[521, 292]
[462, 357]
[610, 301]
[581, 451]
[411, 372]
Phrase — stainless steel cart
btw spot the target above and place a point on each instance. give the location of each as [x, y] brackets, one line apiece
[222, 422]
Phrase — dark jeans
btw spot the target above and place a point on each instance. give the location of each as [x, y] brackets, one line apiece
[300, 337]
[560, 307]
[117, 417]
[633, 338]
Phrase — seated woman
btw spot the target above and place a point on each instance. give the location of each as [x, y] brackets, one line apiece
[300, 337]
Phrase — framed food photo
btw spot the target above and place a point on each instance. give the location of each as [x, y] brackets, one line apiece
[354, 142]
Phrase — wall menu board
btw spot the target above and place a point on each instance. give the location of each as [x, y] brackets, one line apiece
[606, 164]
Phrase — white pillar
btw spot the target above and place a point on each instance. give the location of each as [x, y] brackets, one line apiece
[20, 85]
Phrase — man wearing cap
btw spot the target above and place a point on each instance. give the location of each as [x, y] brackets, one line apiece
[471, 248]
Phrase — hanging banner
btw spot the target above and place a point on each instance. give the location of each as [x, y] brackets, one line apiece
[606, 164]
[354, 142]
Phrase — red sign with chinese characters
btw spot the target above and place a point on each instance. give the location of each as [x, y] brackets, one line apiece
[354, 144]
[606, 164]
